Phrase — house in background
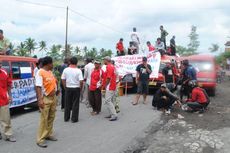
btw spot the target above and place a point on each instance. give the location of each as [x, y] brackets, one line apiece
[227, 46]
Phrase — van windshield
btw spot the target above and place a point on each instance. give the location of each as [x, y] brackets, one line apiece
[202, 66]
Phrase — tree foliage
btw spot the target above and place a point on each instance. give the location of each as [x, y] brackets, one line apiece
[194, 42]
[214, 48]
[30, 45]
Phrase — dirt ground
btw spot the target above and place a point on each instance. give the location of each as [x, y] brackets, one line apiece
[183, 132]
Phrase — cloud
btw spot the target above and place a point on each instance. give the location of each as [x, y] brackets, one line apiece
[110, 20]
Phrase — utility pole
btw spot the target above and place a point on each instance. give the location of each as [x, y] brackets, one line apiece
[66, 33]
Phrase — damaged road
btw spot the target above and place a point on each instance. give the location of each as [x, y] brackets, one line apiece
[183, 132]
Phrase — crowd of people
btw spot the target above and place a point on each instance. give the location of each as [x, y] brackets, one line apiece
[99, 81]
[160, 45]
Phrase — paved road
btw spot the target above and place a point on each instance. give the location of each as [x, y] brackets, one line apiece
[92, 134]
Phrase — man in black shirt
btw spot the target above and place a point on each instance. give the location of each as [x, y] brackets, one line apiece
[169, 76]
[142, 80]
[173, 46]
[163, 99]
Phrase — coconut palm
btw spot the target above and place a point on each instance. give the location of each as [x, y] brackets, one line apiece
[54, 52]
[30, 45]
[21, 50]
[42, 46]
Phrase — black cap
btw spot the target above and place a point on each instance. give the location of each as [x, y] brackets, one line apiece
[1, 31]
[144, 59]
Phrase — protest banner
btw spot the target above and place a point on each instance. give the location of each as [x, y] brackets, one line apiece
[23, 92]
[127, 64]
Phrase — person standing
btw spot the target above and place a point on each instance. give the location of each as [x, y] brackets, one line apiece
[63, 66]
[169, 76]
[173, 46]
[150, 46]
[38, 66]
[72, 80]
[164, 33]
[142, 80]
[109, 86]
[4, 44]
[135, 39]
[5, 100]
[87, 75]
[120, 48]
[46, 89]
[95, 88]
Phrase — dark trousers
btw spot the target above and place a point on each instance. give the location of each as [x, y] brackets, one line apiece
[196, 105]
[62, 97]
[72, 96]
[164, 103]
[95, 100]
[173, 51]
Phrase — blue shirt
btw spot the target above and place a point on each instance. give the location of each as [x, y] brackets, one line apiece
[190, 72]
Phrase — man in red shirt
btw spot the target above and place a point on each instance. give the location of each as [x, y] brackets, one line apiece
[120, 48]
[95, 88]
[5, 99]
[109, 85]
[150, 46]
[199, 100]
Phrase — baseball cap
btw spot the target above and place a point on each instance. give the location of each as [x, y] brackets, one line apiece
[107, 58]
[144, 59]
[97, 62]
[164, 85]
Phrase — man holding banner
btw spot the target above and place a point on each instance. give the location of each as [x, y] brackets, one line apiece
[142, 80]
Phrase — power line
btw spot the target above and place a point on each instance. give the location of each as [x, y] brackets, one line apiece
[95, 21]
[41, 4]
[77, 13]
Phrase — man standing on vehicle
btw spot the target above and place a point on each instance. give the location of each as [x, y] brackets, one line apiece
[120, 48]
[109, 87]
[135, 39]
[46, 89]
[173, 46]
[142, 80]
[4, 44]
[164, 33]
[5, 100]
[72, 81]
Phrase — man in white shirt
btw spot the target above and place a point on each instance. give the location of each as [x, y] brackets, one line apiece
[160, 46]
[72, 81]
[89, 67]
[135, 39]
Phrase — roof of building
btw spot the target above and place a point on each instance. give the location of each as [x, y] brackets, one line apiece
[227, 43]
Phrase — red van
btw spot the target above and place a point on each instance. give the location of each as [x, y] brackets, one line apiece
[20, 69]
[206, 71]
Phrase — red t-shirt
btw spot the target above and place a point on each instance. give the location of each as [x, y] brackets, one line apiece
[110, 73]
[5, 82]
[198, 96]
[120, 46]
[96, 79]
[151, 48]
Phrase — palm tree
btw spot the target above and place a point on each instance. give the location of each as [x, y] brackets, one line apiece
[42, 46]
[214, 48]
[54, 52]
[11, 48]
[22, 50]
[30, 44]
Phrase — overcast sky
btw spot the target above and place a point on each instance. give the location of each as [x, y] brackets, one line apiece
[113, 19]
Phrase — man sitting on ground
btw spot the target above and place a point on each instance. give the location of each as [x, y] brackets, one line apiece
[164, 99]
[199, 99]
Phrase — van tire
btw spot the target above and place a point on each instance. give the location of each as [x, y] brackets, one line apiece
[212, 92]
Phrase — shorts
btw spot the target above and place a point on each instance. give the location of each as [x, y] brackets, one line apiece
[143, 87]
